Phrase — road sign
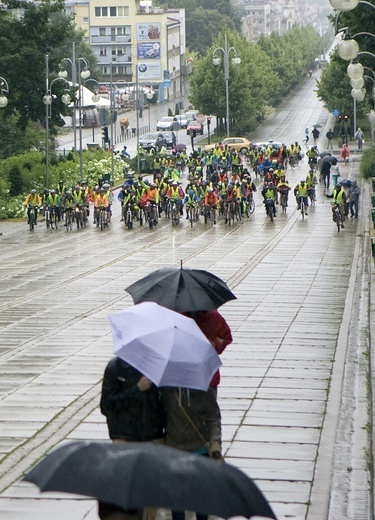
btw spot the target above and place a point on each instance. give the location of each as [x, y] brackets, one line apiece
[201, 118]
[336, 112]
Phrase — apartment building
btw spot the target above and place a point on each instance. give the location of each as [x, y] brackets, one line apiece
[132, 40]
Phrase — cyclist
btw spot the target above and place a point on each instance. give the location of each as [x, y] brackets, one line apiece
[33, 201]
[339, 197]
[311, 182]
[247, 189]
[191, 203]
[101, 202]
[53, 201]
[312, 155]
[176, 195]
[269, 194]
[210, 202]
[231, 195]
[300, 192]
[109, 192]
[283, 188]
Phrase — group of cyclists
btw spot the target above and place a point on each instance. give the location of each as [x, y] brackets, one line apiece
[70, 205]
[218, 184]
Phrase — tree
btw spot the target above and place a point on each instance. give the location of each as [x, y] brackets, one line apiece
[202, 26]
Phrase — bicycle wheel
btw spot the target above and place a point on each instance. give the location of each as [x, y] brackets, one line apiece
[303, 210]
[47, 218]
[31, 220]
[270, 212]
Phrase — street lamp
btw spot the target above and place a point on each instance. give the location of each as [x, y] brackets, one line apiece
[216, 60]
[3, 88]
[347, 5]
[83, 74]
[47, 100]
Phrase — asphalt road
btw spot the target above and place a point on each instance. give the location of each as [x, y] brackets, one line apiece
[294, 391]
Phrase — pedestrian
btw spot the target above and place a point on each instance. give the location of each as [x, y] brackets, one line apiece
[345, 153]
[193, 423]
[335, 174]
[306, 140]
[329, 136]
[315, 134]
[130, 402]
[360, 138]
[326, 172]
[217, 331]
[354, 192]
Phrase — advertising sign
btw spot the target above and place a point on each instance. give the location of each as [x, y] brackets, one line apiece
[148, 31]
[167, 78]
[150, 70]
[148, 51]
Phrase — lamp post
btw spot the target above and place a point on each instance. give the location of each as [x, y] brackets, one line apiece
[216, 60]
[3, 88]
[47, 100]
[84, 74]
[348, 5]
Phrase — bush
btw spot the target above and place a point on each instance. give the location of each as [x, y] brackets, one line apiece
[367, 166]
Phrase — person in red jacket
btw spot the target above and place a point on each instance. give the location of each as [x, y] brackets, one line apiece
[216, 330]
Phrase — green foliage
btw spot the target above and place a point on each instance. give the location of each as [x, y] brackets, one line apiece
[367, 166]
[170, 113]
[268, 71]
[202, 26]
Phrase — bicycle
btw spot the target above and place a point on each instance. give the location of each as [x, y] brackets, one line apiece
[269, 203]
[69, 219]
[33, 210]
[302, 207]
[336, 216]
[284, 200]
[192, 214]
[78, 217]
[230, 212]
[151, 214]
[248, 205]
[52, 217]
[102, 219]
[209, 214]
[129, 216]
[174, 214]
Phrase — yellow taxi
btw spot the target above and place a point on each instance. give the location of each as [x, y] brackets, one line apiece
[240, 144]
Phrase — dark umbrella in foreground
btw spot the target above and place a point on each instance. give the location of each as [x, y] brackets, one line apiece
[137, 475]
[182, 290]
[324, 154]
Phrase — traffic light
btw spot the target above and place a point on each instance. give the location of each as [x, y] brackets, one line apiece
[105, 134]
[194, 134]
[339, 119]
[208, 120]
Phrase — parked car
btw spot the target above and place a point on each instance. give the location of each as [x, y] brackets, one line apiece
[194, 125]
[170, 139]
[191, 114]
[240, 144]
[153, 141]
[165, 124]
[267, 144]
[182, 120]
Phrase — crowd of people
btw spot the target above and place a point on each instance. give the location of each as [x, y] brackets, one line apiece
[137, 411]
[218, 183]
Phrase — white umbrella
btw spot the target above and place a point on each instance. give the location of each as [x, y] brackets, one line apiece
[87, 98]
[167, 347]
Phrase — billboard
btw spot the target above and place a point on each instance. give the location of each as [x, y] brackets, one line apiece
[148, 51]
[150, 70]
[148, 31]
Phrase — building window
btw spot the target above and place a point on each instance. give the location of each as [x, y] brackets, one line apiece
[85, 20]
[98, 11]
[102, 31]
[123, 11]
[104, 11]
[103, 51]
[120, 70]
[112, 11]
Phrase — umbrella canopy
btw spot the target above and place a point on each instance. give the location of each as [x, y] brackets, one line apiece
[317, 126]
[137, 475]
[329, 158]
[345, 182]
[182, 290]
[167, 347]
[324, 154]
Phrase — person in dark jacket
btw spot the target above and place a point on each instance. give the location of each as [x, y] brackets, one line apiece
[130, 403]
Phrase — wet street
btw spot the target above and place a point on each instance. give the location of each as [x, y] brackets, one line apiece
[294, 389]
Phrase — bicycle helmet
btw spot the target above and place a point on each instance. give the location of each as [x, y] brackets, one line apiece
[210, 190]
[302, 181]
[106, 186]
[174, 183]
[33, 191]
[230, 186]
[271, 170]
[270, 185]
[68, 192]
[191, 192]
[53, 192]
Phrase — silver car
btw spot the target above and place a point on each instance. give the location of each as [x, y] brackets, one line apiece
[164, 124]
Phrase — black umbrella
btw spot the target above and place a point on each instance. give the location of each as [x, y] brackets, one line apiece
[329, 158]
[323, 154]
[137, 475]
[182, 290]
